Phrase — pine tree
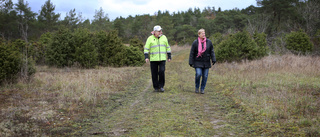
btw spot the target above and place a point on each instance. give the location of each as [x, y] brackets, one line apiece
[8, 21]
[280, 11]
[71, 21]
[25, 18]
[101, 21]
[48, 18]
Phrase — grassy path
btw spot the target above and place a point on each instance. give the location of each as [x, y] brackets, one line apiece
[176, 112]
[272, 96]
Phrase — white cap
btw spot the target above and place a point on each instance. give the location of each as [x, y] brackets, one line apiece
[157, 28]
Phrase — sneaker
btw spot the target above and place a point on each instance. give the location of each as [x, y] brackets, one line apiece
[156, 90]
[197, 90]
[202, 91]
[161, 90]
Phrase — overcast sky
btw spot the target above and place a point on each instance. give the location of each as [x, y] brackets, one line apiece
[124, 8]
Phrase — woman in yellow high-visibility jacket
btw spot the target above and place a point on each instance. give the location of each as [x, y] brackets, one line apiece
[158, 47]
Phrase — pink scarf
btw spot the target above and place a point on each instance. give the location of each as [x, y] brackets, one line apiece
[200, 50]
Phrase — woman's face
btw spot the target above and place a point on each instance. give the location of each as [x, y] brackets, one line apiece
[202, 35]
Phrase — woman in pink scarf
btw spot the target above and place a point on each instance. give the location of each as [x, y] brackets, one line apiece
[200, 58]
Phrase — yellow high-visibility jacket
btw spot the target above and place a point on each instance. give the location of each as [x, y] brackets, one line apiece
[158, 48]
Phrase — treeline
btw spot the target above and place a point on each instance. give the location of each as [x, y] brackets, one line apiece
[275, 26]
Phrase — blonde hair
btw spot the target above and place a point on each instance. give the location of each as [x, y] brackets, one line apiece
[200, 30]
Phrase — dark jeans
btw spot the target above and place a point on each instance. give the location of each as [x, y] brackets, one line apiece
[157, 72]
[201, 72]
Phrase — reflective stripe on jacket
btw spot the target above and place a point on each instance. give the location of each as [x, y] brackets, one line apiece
[157, 47]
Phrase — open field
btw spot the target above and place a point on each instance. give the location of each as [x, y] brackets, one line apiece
[280, 95]
[274, 96]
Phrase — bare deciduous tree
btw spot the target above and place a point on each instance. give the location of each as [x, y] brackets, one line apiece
[310, 12]
[258, 24]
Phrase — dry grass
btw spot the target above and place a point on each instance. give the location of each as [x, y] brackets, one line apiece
[57, 96]
[84, 85]
[281, 94]
[176, 48]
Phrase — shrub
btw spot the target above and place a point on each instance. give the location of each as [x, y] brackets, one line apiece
[136, 42]
[100, 40]
[299, 42]
[10, 61]
[135, 56]
[216, 38]
[261, 41]
[237, 47]
[108, 45]
[61, 50]
[41, 46]
[90, 49]
[119, 58]
[130, 56]
[86, 54]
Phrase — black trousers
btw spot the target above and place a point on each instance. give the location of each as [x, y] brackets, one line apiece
[157, 73]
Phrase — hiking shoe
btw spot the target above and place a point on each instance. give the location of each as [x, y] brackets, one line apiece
[202, 91]
[156, 90]
[161, 90]
[197, 90]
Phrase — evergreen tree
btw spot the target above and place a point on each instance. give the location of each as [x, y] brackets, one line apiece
[251, 10]
[101, 21]
[85, 24]
[280, 11]
[8, 21]
[71, 21]
[48, 18]
[166, 24]
[25, 18]
[141, 26]
[186, 34]
[119, 26]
